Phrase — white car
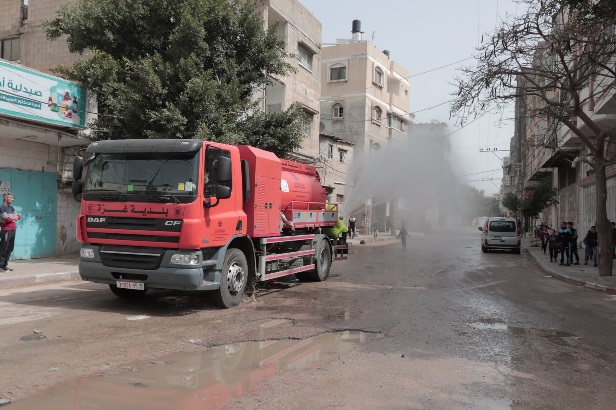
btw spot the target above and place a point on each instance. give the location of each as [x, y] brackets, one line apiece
[500, 233]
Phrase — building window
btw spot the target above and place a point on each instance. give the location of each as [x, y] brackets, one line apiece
[338, 111]
[339, 198]
[395, 122]
[305, 57]
[337, 72]
[377, 113]
[9, 49]
[342, 155]
[307, 125]
[330, 150]
[379, 76]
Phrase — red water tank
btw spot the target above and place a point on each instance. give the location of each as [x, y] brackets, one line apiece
[300, 185]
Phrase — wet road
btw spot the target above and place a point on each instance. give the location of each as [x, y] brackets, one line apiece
[438, 325]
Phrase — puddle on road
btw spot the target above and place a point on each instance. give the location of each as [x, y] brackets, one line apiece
[204, 380]
[492, 326]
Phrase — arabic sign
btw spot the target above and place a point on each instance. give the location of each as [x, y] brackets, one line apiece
[35, 96]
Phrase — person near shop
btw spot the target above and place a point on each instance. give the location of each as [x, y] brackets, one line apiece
[591, 241]
[8, 217]
[352, 223]
[573, 251]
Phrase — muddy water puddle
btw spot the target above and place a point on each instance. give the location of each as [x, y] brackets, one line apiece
[205, 380]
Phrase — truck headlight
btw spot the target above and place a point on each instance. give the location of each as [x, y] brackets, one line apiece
[86, 253]
[183, 259]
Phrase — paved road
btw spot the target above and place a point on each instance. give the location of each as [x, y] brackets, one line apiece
[440, 325]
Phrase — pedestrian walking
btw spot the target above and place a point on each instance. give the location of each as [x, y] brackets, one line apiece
[352, 223]
[565, 240]
[8, 217]
[573, 245]
[375, 230]
[553, 245]
[543, 237]
[402, 235]
[591, 241]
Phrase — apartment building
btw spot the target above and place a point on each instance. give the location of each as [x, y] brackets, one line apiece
[365, 100]
[302, 35]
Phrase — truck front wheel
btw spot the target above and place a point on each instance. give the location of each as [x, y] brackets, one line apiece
[233, 280]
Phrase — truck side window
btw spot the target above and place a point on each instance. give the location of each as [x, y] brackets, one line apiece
[211, 170]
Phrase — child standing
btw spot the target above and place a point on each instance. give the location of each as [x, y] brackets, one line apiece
[553, 244]
[543, 237]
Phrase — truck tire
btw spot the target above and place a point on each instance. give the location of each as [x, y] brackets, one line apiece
[233, 280]
[127, 293]
[323, 256]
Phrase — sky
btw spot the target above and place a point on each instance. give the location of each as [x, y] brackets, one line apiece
[431, 39]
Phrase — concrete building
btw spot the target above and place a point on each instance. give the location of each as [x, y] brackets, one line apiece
[39, 129]
[335, 156]
[302, 35]
[365, 101]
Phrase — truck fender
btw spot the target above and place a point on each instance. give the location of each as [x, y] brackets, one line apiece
[216, 259]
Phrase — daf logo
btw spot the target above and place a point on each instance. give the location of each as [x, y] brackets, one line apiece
[91, 219]
[172, 223]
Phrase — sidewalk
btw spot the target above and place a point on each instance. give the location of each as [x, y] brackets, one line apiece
[582, 275]
[36, 271]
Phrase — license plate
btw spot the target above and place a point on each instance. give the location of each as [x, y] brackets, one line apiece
[130, 285]
[497, 238]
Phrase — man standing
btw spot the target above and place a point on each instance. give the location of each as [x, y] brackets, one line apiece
[8, 216]
[565, 240]
[613, 240]
[352, 222]
[573, 251]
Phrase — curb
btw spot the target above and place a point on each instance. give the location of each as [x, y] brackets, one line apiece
[29, 280]
[575, 281]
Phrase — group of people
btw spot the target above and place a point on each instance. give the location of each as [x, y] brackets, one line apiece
[565, 242]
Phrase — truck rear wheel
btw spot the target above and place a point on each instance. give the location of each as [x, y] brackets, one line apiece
[323, 255]
[233, 280]
[127, 293]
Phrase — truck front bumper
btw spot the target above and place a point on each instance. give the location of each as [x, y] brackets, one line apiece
[166, 276]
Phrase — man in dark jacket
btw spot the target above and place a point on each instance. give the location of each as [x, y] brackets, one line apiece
[573, 245]
[565, 240]
[591, 242]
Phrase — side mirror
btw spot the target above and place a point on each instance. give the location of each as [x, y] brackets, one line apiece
[224, 169]
[76, 189]
[223, 192]
[480, 228]
[78, 168]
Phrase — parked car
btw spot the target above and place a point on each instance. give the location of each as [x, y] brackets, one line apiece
[500, 233]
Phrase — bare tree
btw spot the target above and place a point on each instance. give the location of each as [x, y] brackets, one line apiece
[558, 64]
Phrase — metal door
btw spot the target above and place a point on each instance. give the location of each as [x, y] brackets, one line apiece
[36, 200]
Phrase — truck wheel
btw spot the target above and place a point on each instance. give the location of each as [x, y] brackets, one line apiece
[127, 293]
[323, 255]
[233, 279]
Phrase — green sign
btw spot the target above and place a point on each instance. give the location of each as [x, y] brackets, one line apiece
[40, 97]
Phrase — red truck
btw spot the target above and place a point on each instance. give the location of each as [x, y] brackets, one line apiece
[198, 215]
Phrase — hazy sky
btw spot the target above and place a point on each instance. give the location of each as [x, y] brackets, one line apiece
[424, 36]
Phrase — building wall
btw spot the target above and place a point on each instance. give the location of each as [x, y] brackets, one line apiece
[332, 170]
[299, 27]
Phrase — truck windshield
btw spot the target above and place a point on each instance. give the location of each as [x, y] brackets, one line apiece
[144, 177]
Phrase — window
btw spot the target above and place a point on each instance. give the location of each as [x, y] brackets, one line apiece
[307, 125]
[395, 122]
[338, 111]
[378, 76]
[9, 49]
[305, 57]
[337, 72]
[342, 155]
[377, 113]
[330, 150]
[339, 198]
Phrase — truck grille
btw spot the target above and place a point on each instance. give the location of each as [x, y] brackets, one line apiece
[131, 258]
[134, 237]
